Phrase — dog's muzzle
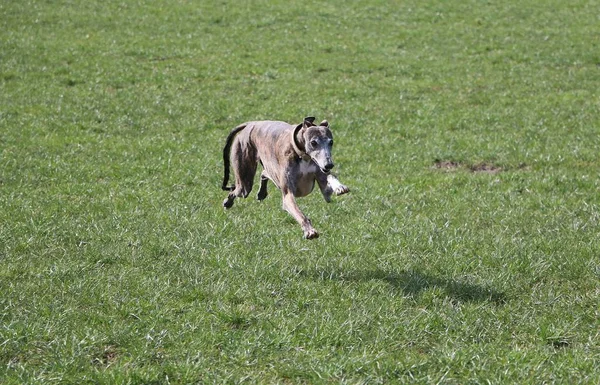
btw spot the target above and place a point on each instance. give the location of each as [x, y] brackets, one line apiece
[327, 168]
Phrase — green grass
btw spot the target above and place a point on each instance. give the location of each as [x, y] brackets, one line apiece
[467, 251]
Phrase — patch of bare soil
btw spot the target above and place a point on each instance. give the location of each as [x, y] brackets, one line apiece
[450, 165]
[486, 168]
[446, 164]
[107, 357]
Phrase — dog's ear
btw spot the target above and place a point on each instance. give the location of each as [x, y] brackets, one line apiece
[309, 121]
[324, 123]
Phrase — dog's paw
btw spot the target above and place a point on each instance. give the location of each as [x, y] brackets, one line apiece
[311, 234]
[228, 203]
[341, 189]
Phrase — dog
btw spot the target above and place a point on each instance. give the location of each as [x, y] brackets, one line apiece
[292, 157]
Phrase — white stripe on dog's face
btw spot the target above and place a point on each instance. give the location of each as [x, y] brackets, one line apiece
[319, 142]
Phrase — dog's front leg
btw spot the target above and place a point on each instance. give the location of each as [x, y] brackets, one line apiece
[329, 185]
[262, 192]
[290, 205]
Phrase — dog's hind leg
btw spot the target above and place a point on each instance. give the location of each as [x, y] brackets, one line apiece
[228, 202]
[262, 192]
[244, 163]
[242, 190]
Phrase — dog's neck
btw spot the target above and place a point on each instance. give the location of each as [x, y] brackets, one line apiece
[298, 144]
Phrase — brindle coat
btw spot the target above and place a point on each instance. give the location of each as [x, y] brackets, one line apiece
[292, 157]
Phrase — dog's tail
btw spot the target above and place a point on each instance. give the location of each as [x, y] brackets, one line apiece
[226, 153]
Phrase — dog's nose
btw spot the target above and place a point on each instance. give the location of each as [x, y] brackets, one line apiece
[328, 166]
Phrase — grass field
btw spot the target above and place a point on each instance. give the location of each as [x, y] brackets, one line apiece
[467, 251]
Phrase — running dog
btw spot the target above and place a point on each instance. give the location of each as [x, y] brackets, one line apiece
[292, 157]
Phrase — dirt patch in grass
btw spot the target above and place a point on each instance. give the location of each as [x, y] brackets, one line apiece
[451, 165]
[488, 168]
[107, 357]
[446, 164]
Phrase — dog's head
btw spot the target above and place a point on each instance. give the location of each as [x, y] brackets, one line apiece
[316, 142]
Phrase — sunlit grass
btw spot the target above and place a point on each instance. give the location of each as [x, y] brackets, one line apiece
[466, 251]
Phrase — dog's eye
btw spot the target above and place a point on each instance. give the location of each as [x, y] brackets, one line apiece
[331, 143]
[314, 143]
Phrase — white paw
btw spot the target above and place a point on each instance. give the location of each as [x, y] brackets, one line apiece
[341, 189]
[335, 185]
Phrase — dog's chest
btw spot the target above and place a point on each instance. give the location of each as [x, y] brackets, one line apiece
[306, 168]
[305, 178]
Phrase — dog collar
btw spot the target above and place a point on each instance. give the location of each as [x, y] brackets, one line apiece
[301, 154]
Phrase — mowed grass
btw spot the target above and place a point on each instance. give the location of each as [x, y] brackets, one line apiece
[466, 252]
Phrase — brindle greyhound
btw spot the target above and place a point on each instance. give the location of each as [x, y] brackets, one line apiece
[293, 157]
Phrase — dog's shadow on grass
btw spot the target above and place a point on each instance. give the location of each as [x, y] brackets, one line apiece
[412, 283]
